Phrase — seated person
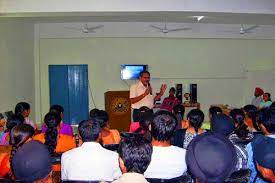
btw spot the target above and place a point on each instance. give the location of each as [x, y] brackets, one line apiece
[107, 135]
[214, 110]
[266, 101]
[183, 137]
[2, 125]
[224, 125]
[11, 122]
[256, 101]
[65, 128]
[264, 150]
[90, 161]
[170, 101]
[134, 158]
[19, 135]
[178, 111]
[142, 113]
[241, 132]
[267, 124]
[56, 142]
[211, 157]
[167, 161]
[23, 109]
[32, 163]
[251, 115]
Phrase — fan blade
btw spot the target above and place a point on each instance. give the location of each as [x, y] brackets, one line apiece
[91, 29]
[74, 28]
[179, 29]
[251, 28]
[156, 27]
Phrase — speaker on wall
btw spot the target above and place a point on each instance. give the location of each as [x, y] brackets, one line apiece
[179, 92]
[193, 93]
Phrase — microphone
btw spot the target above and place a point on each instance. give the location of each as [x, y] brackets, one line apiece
[149, 86]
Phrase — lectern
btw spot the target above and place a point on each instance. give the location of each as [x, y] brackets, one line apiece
[118, 106]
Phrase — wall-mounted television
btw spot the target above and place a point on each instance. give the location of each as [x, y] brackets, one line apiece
[132, 71]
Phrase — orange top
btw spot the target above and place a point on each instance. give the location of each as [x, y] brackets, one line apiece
[64, 143]
[249, 122]
[184, 124]
[109, 136]
[4, 164]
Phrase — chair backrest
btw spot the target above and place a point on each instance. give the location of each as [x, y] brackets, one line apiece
[111, 147]
[240, 176]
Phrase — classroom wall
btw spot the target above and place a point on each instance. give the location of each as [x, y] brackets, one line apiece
[220, 67]
[16, 65]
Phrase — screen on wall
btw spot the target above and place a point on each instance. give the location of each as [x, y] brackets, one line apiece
[132, 71]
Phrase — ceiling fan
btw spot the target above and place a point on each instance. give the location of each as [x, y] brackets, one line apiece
[244, 30]
[166, 30]
[86, 28]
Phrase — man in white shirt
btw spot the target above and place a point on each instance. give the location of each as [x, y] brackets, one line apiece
[141, 93]
[167, 161]
[90, 161]
[256, 101]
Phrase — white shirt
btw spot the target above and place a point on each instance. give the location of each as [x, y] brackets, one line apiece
[90, 162]
[256, 101]
[166, 163]
[137, 90]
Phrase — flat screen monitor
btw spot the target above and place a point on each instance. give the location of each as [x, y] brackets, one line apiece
[132, 71]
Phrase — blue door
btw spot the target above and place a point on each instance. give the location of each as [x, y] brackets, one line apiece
[69, 88]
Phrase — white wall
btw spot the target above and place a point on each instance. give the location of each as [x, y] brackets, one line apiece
[218, 66]
[16, 65]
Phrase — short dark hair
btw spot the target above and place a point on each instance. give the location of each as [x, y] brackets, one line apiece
[215, 110]
[252, 112]
[21, 107]
[172, 89]
[144, 72]
[58, 109]
[13, 121]
[163, 125]
[94, 112]
[136, 152]
[195, 117]
[267, 118]
[89, 130]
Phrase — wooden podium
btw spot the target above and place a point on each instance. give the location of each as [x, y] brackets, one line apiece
[118, 106]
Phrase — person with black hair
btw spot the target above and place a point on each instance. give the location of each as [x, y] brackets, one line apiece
[20, 134]
[241, 134]
[90, 161]
[56, 142]
[65, 128]
[251, 115]
[107, 135]
[167, 161]
[141, 93]
[134, 157]
[183, 137]
[266, 100]
[178, 111]
[11, 122]
[214, 110]
[267, 125]
[23, 110]
[169, 102]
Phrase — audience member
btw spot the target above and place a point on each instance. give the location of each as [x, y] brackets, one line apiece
[251, 115]
[107, 135]
[183, 137]
[134, 158]
[241, 134]
[167, 161]
[57, 143]
[19, 135]
[142, 114]
[267, 124]
[264, 150]
[170, 101]
[23, 110]
[266, 101]
[256, 101]
[90, 161]
[65, 128]
[214, 110]
[178, 111]
[211, 157]
[224, 125]
[32, 163]
[11, 122]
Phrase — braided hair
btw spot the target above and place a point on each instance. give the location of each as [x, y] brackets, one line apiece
[252, 112]
[241, 128]
[19, 135]
[52, 120]
[195, 118]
